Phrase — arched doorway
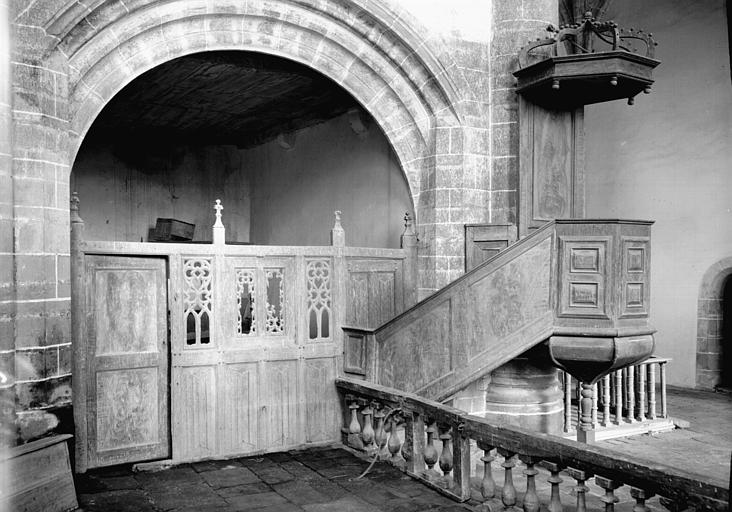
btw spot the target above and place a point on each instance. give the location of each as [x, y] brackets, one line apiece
[714, 328]
[217, 349]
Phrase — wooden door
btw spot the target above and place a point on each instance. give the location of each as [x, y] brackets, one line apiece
[127, 359]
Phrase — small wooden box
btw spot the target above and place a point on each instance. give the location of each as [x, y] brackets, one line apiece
[173, 229]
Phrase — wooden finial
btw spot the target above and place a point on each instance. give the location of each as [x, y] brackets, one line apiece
[218, 208]
[219, 231]
[337, 234]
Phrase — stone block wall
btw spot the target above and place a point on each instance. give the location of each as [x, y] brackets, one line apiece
[444, 99]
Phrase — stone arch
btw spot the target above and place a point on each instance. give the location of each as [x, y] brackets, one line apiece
[382, 64]
[709, 323]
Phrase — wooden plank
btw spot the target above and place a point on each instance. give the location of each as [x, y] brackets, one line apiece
[38, 477]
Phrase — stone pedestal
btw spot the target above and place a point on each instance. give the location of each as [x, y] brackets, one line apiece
[526, 392]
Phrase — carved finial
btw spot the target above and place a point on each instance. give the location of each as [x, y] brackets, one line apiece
[74, 207]
[409, 237]
[218, 208]
[337, 234]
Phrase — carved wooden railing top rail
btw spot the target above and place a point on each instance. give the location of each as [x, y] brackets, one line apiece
[254, 342]
[424, 421]
[581, 284]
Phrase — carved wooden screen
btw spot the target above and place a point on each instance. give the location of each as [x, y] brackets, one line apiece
[264, 379]
[126, 360]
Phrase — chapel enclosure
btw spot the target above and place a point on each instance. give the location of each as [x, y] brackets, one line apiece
[254, 333]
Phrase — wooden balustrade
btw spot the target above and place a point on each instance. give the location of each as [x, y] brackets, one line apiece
[622, 398]
[425, 421]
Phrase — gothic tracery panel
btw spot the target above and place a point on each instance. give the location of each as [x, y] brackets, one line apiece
[246, 322]
[275, 301]
[197, 303]
[318, 299]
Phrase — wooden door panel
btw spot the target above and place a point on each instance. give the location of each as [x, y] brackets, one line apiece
[241, 409]
[195, 415]
[321, 400]
[127, 371]
[279, 405]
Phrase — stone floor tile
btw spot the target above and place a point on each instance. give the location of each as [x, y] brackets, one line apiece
[255, 501]
[300, 493]
[347, 503]
[229, 477]
[212, 465]
[87, 484]
[300, 471]
[184, 496]
[242, 490]
[273, 474]
[117, 501]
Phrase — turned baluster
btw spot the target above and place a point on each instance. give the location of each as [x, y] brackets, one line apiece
[640, 497]
[586, 432]
[581, 489]
[430, 452]
[354, 427]
[594, 405]
[567, 402]
[531, 499]
[641, 392]
[606, 401]
[394, 444]
[380, 436]
[508, 494]
[446, 456]
[609, 485]
[664, 410]
[367, 434]
[652, 391]
[555, 502]
[631, 393]
[487, 485]
[619, 397]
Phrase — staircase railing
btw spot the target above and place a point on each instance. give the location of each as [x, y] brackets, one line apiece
[628, 401]
[424, 421]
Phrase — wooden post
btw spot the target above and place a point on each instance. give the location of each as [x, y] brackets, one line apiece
[652, 391]
[78, 341]
[567, 402]
[414, 443]
[586, 430]
[606, 381]
[409, 244]
[641, 392]
[618, 397]
[664, 410]
[219, 231]
[460, 463]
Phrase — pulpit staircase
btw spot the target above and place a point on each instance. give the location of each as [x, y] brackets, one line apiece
[578, 288]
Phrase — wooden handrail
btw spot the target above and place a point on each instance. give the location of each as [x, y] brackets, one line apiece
[646, 478]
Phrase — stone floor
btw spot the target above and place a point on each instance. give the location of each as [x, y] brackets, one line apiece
[312, 480]
[703, 448]
[324, 479]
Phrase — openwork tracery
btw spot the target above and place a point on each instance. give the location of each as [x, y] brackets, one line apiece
[275, 301]
[318, 299]
[245, 289]
[197, 305]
